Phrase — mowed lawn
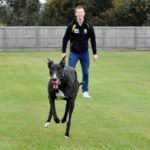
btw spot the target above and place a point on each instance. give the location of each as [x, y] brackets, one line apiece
[117, 117]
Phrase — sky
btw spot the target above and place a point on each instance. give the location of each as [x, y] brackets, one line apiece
[42, 1]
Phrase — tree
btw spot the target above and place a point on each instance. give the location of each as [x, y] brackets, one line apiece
[21, 12]
[2, 12]
[117, 3]
[61, 12]
[132, 13]
[98, 11]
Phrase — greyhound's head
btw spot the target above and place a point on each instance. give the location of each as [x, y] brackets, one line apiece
[56, 72]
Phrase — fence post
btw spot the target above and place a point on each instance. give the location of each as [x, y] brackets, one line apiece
[37, 39]
[103, 38]
[136, 37]
[4, 40]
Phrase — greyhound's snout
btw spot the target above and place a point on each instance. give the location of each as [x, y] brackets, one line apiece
[54, 77]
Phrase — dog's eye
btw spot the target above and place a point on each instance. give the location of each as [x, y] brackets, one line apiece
[51, 70]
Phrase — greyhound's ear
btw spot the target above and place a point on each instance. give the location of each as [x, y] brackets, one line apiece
[62, 62]
[49, 63]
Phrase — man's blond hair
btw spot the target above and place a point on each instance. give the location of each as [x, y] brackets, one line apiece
[79, 7]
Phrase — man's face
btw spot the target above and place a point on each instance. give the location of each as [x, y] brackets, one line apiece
[80, 13]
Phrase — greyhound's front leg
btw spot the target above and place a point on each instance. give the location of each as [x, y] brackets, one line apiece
[71, 108]
[49, 118]
[56, 119]
[66, 112]
[50, 113]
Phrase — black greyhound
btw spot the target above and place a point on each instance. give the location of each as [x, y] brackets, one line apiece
[62, 85]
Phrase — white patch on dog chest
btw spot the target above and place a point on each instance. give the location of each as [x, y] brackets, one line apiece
[60, 95]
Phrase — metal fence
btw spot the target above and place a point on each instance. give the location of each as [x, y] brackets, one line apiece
[50, 38]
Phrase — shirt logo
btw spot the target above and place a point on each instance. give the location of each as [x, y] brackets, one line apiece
[76, 31]
[85, 31]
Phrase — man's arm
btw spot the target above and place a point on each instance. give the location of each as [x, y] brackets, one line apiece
[65, 40]
[93, 42]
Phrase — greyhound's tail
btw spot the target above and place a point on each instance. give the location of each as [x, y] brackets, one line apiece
[81, 83]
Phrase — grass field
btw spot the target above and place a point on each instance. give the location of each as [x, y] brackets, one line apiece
[116, 118]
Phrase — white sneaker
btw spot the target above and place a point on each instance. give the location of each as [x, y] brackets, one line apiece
[86, 94]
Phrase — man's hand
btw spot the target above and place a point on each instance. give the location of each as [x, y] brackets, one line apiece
[64, 54]
[95, 57]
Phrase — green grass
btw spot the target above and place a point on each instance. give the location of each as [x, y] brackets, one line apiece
[116, 118]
